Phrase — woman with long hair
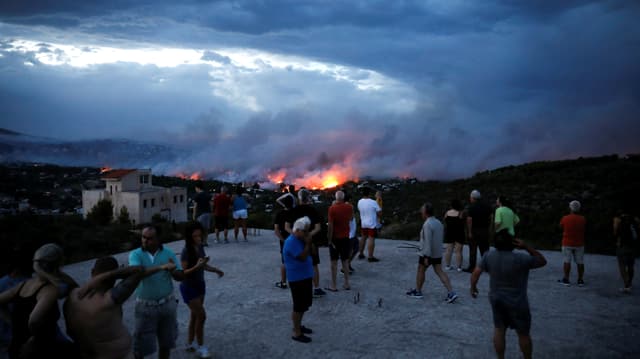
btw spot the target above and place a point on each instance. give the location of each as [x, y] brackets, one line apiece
[195, 263]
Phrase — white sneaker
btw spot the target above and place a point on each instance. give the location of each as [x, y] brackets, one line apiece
[459, 269]
[448, 267]
[203, 352]
[192, 347]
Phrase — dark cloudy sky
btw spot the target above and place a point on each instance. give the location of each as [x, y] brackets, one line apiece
[434, 89]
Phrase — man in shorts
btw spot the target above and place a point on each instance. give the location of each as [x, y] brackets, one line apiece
[369, 218]
[297, 261]
[509, 275]
[431, 237]
[573, 228]
[155, 311]
[478, 228]
[202, 209]
[305, 209]
[105, 335]
[340, 215]
[221, 208]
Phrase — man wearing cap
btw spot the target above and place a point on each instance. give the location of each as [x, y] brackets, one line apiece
[573, 227]
[155, 312]
[478, 225]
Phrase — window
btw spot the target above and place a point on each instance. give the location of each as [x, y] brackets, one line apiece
[111, 189]
[144, 179]
[181, 198]
[153, 202]
[144, 203]
[175, 199]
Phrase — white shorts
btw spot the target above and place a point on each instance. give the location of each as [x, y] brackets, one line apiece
[575, 253]
[240, 214]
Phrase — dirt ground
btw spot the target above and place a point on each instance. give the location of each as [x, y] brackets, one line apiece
[250, 318]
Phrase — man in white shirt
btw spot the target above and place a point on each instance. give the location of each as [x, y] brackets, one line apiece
[369, 218]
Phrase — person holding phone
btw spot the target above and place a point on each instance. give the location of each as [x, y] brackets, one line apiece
[195, 262]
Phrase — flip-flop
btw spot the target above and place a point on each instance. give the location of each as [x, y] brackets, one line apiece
[331, 290]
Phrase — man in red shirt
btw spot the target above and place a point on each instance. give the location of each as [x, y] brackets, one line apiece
[573, 228]
[340, 214]
[221, 208]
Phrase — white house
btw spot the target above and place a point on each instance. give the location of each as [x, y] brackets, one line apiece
[133, 189]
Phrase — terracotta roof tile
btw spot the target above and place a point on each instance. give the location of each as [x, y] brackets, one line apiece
[114, 174]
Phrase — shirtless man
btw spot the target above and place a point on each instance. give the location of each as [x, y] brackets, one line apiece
[93, 312]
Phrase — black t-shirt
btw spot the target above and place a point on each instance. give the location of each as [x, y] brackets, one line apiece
[306, 210]
[480, 213]
[282, 217]
[203, 203]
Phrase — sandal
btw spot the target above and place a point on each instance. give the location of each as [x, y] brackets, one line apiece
[281, 285]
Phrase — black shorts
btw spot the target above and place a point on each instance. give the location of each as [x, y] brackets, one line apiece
[315, 256]
[222, 222]
[341, 249]
[302, 295]
[431, 261]
[505, 316]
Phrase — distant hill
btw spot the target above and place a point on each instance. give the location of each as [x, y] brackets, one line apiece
[4, 131]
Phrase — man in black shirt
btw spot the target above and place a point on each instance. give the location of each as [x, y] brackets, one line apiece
[280, 231]
[202, 210]
[304, 208]
[478, 225]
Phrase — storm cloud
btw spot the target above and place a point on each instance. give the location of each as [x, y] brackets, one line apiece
[253, 90]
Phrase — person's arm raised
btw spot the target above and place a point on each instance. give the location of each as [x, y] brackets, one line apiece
[541, 261]
[307, 248]
[96, 281]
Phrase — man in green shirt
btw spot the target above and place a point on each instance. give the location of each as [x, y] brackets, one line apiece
[504, 217]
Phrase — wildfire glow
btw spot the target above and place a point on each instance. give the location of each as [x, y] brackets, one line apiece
[194, 176]
[105, 169]
[331, 178]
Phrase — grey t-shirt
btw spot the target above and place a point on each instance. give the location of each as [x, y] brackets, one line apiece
[431, 237]
[509, 272]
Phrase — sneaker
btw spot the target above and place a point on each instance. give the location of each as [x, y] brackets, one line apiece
[318, 292]
[459, 269]
[451, 297]
[192, 347]
[626, 290]
[564, 281]
[203, 352]
[360, 256]
[413, 293]
[306, 330]
[217, 241]
[342, 272]
[373, 259]
[448, 268]
[302, 339]
[580, 283]
[351, 270]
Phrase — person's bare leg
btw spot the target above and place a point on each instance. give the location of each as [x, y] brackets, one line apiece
[444, 278]
[283, 274]
[458, 250]
[217, 235]
[567, 270]
[372, 246]
[499, 342]
[334, 269]
[526, 346]
[244, 228]
[236, 228]
[623, 271]
[202, 316]
[580, 271]
[316, 276]
[226, 233]
[345, 269]
[363, 241]
[447, 255]
[192, 326]
[296, 318]
[420, 277]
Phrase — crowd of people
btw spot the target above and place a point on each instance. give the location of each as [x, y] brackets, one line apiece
[476, 224]
[93, 311]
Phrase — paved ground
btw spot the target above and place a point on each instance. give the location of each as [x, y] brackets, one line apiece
[249, 318]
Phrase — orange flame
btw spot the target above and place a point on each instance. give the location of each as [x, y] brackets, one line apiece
[105, 169]
[194, 177]
[331, 178]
